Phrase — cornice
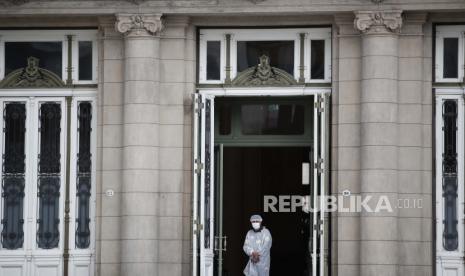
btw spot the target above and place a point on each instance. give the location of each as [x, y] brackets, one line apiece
[139, 24]
[378, 21]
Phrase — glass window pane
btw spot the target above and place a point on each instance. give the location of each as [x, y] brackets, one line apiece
[224, 118]
[208, 180]
[85, 60]
[318, 59]
[451, 57]
[49, 178]
[213, 60]
[13, 178]
[281, 54]
[272, 119]
[84, 159]
[48, 53]
[449, 178]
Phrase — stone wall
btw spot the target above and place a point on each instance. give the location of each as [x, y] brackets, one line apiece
[381, 144]
[381, 131]
[225, 7]
[146, 82]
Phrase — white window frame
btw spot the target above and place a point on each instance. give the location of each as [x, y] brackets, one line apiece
[272, 34]
[326, 36]
[81, 261]
[204, 38]
[449, 31]
[55, 36]
[85, 36]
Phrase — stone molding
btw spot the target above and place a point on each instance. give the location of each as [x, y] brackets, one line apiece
[14, 2]
[139, 24]
[378, 21]
[137, 2]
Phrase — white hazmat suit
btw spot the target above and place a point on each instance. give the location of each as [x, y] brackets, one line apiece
[258, 241]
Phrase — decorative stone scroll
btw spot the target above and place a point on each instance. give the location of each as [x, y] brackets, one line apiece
[139, 24]
[32, 76]
[264, 75]
[378, 21]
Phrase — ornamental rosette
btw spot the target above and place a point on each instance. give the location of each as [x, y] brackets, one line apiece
[378, 21]
[139, 23]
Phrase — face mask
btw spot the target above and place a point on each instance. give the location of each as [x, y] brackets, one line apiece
[256, 225]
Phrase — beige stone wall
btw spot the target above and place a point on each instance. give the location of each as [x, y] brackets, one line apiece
[229, 7]
[345, 142]
[145, 150]
[166, 129]
[110, 149]
[399, 244]
[381, 144]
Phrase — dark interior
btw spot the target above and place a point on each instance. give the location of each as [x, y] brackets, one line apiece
[249, 174]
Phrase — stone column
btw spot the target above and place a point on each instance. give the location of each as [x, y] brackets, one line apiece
[139, 214]
[379, 138]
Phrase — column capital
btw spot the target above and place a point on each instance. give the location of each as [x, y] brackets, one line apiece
[378, 22]
[139, 24]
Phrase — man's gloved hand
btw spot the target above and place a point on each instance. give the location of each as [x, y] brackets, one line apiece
[255, 257]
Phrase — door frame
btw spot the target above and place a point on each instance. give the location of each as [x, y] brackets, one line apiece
[322, 111]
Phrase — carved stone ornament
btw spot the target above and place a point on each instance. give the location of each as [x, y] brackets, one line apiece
[139, 23]
[378, 21]
[263, 75]
[32, 76]
[377, 1]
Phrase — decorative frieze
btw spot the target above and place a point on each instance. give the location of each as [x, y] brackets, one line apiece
[378, 21]
[139, 24]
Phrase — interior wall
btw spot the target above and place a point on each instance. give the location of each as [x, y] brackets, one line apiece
[249, 174]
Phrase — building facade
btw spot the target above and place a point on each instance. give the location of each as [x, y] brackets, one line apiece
[139, 136]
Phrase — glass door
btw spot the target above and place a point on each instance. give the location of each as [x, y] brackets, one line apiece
[203, 196]
[319, 251]
[37, 228]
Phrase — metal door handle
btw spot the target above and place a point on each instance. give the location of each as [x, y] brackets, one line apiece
[225, 243]
[215, 243]
[223, 240]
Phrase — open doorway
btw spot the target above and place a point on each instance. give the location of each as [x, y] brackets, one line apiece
[247, 148]
[250, 173]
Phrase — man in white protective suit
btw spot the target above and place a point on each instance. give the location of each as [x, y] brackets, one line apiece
[257, 246]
